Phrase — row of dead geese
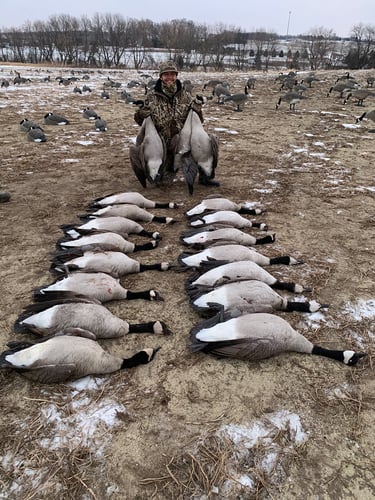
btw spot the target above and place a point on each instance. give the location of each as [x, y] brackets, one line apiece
[69, 314]
[237, 295]
[230, 287]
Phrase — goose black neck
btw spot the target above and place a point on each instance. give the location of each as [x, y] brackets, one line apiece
[145, 246]
[144, 294]
[298, 306]
[140, 358]
[150, 267]
[284, 259]
[284, 285]
[328, 353]
[142, 327]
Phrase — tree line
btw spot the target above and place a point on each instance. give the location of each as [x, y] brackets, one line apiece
[112, 41]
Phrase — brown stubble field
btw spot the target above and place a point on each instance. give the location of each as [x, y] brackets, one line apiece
[178, 424]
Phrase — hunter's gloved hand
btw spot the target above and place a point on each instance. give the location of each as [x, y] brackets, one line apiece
[143, 112]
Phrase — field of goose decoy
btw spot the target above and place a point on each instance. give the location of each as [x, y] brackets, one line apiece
[277, 284]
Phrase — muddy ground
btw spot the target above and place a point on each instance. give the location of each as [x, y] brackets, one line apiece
[311, 170]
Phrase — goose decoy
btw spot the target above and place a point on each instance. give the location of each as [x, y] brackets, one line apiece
[215, 273]
[104, 95]
[51, 317]
[196, 152]
[77, 90]
[100, 125]
[309, 79]
[213, 235]
[211, 84]
[132, 212]
[238, 99]
[133, 198]
[249, 296]
[36, 134]
[342, 87]
[116, 264]
[89, 114]
[119, 225]
[104, 241]
[52, 119]
[292, 98]
[250, 84]
[147, 156]
[26, 124]
[86, 88]
[65, 358]
[221, 91]
[215, 203]
[370, 81]
[99, 286]
[5, 83]
[225, 217]
[252, 337]
[359, 95]
[232, 253]
[369, 115]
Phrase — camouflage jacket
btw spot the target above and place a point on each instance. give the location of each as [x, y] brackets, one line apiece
[167, 113]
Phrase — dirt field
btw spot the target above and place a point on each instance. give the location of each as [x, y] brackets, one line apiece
[190, 425]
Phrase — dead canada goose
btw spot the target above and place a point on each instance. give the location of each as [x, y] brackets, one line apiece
[50, 317]
[99, 286]
[238, 99]
[369, 115]
[215, 273]
[292, 98]
[216, 203]
[225, 217]
[196, 152]
[257, 336]
[132, 212]
[104, 241]
[116, 264]
[64, 358]
[132, 198]
[213, 235]
[147, 156]
[248, 296]
[232, 253]
[360, 95]
[119, 225]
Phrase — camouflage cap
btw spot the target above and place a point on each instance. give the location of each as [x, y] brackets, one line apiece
[167, 67]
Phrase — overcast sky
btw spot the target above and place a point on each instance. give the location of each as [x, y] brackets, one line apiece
[249, 15]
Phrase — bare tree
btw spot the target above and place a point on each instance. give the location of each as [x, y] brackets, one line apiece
[363, 44]
[320, 44]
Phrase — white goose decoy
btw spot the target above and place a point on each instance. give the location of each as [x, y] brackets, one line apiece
[65, 358]
[51, 317]
[213, 235]
[99, 286]
[252, 337]
[225, 217]
[248, 296]
[132, 212]
[147, 156]
[119, 225]
[217, 273]
[196, 151]
[232, 253]
[132, 198]
[116, 264]
[105, 241]
[216, 204]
